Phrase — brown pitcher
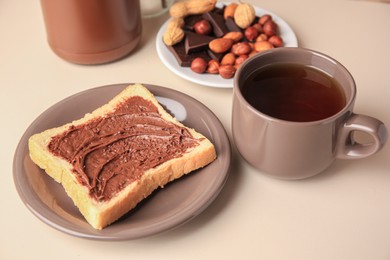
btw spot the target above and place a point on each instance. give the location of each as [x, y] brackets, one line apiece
[92, 31]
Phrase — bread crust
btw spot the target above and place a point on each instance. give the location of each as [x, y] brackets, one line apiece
[100, 214]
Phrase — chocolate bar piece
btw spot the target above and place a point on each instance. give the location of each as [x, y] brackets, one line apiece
[195, 42]
[231, 25]
[217, 22]
[215, 56]
[219, 10]
[184, 59]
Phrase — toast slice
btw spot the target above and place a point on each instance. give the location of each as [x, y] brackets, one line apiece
[111, 159]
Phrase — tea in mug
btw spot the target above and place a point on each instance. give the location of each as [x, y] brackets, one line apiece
[293, 92]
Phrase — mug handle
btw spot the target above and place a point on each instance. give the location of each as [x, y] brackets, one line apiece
[349, 148]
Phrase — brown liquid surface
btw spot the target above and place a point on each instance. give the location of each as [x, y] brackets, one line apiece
[294, 93]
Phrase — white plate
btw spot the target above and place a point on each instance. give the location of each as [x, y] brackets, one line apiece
[167, 208]
[212, 80]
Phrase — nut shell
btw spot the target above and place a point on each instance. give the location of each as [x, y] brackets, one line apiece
[244, 15]
[188, 7]
[174, 32]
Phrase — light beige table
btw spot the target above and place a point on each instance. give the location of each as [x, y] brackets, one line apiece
[343, 214]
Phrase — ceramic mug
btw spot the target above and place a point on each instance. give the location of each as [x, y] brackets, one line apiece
[92, 31]
[291, 149]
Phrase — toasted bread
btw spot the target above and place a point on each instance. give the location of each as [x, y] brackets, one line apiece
[153, 148]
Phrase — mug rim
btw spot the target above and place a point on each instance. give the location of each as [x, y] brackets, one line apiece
[237, 91]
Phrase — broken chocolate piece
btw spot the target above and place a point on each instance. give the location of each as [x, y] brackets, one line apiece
[196, 42]
[219, 10]
[217, 22]
[231, 25]
[184, 60]
[215, 56]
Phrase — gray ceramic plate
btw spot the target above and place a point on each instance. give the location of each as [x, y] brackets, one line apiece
[165, 209]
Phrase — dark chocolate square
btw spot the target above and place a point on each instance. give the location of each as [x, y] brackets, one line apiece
[219, 10]
[231, 25]
[184, 59]
[195, 42]
[217, 22]
[215, 56]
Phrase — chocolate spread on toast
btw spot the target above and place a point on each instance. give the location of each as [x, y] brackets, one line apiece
[111, 152]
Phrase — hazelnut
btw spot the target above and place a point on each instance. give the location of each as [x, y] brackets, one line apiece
[263, 46]
[203, 27]
[276, 41]
[213, 67]
[199, 65]
[262, 37]
[265, 18]
[240, 59]
[251, 33]
[228, 59]
[258, 27]
[270, 28]
[227, 71]
[241, 48]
